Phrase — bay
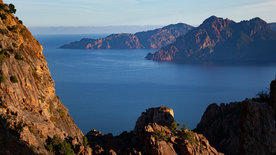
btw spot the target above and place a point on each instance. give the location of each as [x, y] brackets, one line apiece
[107, 90]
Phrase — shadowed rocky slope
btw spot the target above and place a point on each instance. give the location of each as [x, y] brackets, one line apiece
[222, 40]
[246, 128]
[154, 39]
[30, 112]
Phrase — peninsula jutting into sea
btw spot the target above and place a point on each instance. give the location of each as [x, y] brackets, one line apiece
[215, 40]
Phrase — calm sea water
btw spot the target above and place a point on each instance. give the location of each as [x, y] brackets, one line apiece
[108, 89]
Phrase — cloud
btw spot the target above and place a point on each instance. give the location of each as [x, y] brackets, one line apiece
[262, 6]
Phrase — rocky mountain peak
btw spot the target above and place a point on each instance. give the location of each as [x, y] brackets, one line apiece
[162, 116]
[216, 21]
[219, 40]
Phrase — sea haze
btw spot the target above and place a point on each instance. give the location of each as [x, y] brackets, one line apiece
[108, 89]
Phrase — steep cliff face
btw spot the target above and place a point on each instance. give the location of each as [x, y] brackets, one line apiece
[154, 39]
[30, 112]
[155, 133]
[246, 127]
[222, 40]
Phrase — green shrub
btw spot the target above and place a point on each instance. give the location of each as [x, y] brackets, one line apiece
[4, 52]
[2, 78]
[85, 140]
[174, 125]
[184, 127]
[32, 130]
[12, 28]
[13, 79]
[2, 6]
[59, 146]
[3, 16]
[18, 57]
[160, 135]
[12, 8]
[1, 57]
[3, 31]
[50, 147]
[14, 45]
[65, 148]
[188, 135]
[61, 113]
[262, 96]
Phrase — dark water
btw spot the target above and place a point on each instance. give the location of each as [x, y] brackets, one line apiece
[108, 89]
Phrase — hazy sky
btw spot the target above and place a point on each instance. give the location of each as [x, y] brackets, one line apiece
[138, 12]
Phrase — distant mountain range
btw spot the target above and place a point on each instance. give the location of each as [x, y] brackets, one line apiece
[222, 40]
[38, 30]
[153, 39]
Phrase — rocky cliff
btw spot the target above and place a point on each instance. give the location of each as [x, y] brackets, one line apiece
[247, 128]
[31, 115]
[155, 133]
[154, 39]
[222, 40]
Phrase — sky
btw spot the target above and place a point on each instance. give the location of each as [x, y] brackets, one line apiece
[138, 12]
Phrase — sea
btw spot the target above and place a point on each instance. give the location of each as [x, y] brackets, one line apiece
[107, 90]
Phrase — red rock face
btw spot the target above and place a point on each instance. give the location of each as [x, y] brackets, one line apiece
[154, 39]
[218, 39]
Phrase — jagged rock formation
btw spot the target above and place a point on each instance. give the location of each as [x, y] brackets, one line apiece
[247, 128]
[222, 40]
[155, 133]
[30, 112]
[154, 39]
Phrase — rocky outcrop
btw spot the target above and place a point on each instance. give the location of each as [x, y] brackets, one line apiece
[154, 39]
[219, 40]
[163, 116]
[31, 115]
[155, 133]
[246, 127]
